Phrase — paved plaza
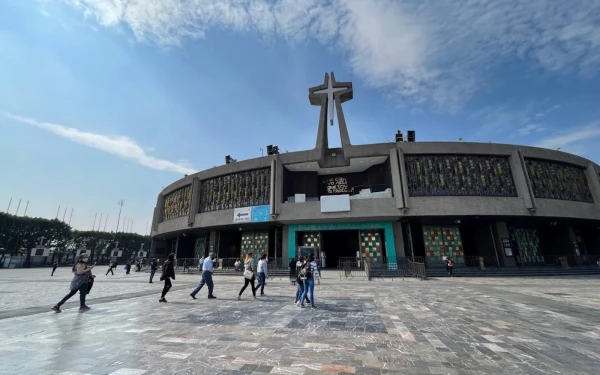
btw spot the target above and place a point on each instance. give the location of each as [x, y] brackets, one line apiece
[443, 326]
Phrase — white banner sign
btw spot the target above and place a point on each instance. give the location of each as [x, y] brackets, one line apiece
[335, 203]
[242, 215]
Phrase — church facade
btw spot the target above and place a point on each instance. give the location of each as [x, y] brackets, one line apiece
[506, 204]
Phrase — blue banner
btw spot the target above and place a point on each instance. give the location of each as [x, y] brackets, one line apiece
[261, 214]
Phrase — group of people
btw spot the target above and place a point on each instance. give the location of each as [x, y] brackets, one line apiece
[306, 272]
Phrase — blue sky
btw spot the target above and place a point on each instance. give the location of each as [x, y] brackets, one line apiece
[102, 100]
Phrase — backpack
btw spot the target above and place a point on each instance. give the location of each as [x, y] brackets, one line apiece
[306, 271]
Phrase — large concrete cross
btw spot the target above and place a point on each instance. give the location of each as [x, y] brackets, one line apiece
[330, 97]
[117, 245]
[41, 241]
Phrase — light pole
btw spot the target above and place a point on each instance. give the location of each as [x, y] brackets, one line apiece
[120, 203]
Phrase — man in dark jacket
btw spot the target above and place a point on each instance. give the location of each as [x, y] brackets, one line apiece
[54, 267]
[153, 268]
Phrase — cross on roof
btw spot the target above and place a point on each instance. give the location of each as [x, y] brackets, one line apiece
[41, 240]
[330, 98]
[117, 245]
[142, 247]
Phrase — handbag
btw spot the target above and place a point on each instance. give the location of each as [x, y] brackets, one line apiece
[248, 274]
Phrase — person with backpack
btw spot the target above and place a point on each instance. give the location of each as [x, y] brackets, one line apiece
[307, 275]
[249, 275]
[292, 267]
[299, 281]
[82, 274]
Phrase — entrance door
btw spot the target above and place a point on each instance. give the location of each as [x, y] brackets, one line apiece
[339, 244]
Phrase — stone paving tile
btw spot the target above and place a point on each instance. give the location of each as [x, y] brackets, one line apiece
[450, 326]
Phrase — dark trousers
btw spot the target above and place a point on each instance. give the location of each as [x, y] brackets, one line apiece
[53, 269]
[449, 270]
[110, 270]
[152, 272]
[206, 279]
[128, 269]
[251, 282]
[168, 286]
[262, 279]
[83, 289]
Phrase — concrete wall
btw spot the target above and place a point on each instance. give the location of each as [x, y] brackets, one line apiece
[401, 205]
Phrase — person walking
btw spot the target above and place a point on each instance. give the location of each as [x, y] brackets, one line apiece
[128, 268]
[54, 267]
[299, 280]
[207, 271]
[262, 274]
[449, 266]
[82, 274]
[249, 275]
[153, 268]
[110, 269]
[307, 274]
[185, 266]
[168, 273]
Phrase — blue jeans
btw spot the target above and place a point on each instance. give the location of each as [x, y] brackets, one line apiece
[152, 272]
[262, 279]
[309, 284]
[299, 291]
[82, 293]
[206, 279]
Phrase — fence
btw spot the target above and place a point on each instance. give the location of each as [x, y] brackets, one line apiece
[350, 268]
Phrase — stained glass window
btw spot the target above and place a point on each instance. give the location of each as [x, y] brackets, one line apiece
[552, 180]
[466, 175]
[243, 189]
[443, 242]
[177, 203]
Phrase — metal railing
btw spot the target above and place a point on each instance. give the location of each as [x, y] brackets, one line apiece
[351, 268]
[488, 261]
[417, 269]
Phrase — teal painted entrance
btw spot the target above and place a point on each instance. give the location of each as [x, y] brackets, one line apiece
[360, 226]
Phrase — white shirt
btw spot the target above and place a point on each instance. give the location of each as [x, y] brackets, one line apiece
[208, 265]
[262, 266]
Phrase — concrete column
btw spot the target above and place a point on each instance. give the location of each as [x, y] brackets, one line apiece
[284, 245]
[278, 187]
[272, 187]
[195, 203]
[593, 182]
[157, 249]
[403, 176]
[398, 239]
[345, 138]
[291, 241]
[573, 239]
[501, 231]
[396, 184]
[213, 241]
[521, 179]
[390, 245]
[158, 211]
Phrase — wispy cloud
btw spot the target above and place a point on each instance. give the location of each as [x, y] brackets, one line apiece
[123, 147]
[572, 137]
[530, 128]
[430, 51]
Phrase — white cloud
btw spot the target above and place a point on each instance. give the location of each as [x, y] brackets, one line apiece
[428, 51]
[120, 146]
[530, 128]
[572, 138]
